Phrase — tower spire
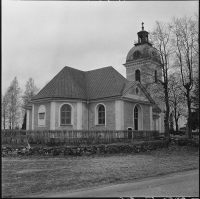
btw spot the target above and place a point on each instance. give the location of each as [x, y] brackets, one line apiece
[142, 26]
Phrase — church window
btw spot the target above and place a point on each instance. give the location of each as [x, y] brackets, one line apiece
[147, 38]
[137, 54]
[137, 75]
[156, 80]
[41, 116]
[65, 114]
[140, 39]
[101, 114]
[136, 118]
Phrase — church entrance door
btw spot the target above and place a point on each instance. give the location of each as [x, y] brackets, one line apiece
[130, 132]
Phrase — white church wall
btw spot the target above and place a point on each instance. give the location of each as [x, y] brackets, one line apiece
[119, 115]
[79, 115]
[53, 116]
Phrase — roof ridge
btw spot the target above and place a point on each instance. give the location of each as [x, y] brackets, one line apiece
[146, 92]
[127, 86]
[119, 75]
[97, 69]
[76, 86]
[72, 79]
[55, 77]
[73, 68]
[59, 81]
[114, 74]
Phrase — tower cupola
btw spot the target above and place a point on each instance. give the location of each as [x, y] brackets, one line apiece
[143, 60]
[143, 37]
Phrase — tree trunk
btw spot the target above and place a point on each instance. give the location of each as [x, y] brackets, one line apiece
[176, 123]
[167, 111]
[189, 128]
[176, 117]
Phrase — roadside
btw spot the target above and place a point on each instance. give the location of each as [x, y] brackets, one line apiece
[22, 176]
[176, 184]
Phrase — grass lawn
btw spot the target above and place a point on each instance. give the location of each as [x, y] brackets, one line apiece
[29, 176]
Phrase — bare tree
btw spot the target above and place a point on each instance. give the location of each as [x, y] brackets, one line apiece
[176, 98]
[30, 91]
[14, 104]
[160, 37]
[186, 58]
[4, 106]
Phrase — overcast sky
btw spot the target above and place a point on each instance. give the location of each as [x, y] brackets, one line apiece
[40, 38]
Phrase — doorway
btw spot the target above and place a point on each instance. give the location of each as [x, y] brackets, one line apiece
[130, 132]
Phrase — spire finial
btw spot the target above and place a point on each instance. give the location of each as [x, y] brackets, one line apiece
[142, 26]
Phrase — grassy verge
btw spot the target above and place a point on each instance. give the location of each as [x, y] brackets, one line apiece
[37, 175]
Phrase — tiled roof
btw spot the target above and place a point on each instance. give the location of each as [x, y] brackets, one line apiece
[71, 83]
[105, 82]
[68, 83]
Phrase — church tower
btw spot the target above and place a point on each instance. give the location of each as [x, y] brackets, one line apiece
[143, 61]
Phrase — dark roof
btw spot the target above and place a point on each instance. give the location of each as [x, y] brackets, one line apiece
[105, 82]
[146, 52]
[68, 83]
[71, 83]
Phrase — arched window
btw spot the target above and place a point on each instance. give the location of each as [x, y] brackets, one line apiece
[137, 75]
[101, 114]
[136, 118]
[41, 115]
[140, 39]
[147, 38]
[137, 54]
[156, 80]
[66, 115]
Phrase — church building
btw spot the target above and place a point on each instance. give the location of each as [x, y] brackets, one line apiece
[102, 99]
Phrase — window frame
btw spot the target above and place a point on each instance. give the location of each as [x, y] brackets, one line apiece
[42, 121]
[97, 117]
[137, 74]
[71, 115]
[137, 89]
[136, 118]
[137, 54]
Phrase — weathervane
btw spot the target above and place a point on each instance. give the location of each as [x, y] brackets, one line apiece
[142, 26]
